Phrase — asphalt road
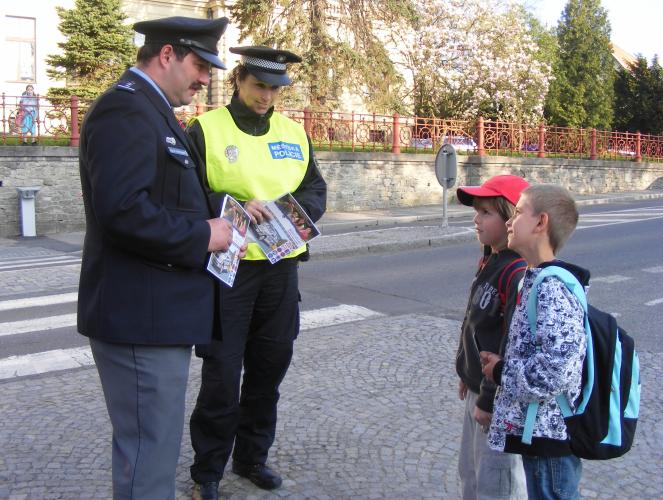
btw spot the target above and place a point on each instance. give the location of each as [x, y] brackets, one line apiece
[620, 244]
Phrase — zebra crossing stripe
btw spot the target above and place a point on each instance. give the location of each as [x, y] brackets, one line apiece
[37, 325]
[615, 278]
[62, 359]
[336, 315]
[63, 263]
[39, 260]
[316, 318]
[42, 300]
[42, 362]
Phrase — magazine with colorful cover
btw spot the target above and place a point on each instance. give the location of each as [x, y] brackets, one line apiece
[289, 228]
[224, 265]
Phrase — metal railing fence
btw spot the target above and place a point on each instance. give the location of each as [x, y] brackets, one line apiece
[57, 121]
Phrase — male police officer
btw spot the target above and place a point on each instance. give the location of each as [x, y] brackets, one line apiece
[144, 295]
[242, 147]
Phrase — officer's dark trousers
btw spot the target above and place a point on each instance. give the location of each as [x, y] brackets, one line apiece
[260, 321]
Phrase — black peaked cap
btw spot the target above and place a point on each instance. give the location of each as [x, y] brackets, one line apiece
[200, 35]
[267, 64]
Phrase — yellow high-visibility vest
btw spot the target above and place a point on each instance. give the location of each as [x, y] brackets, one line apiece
[254, 167]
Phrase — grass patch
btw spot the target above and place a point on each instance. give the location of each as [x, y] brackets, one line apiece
[41, 141]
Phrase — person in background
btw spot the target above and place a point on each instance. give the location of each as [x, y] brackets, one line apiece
[28, 113]
[254, 154]
[485, 473]
[145, 297]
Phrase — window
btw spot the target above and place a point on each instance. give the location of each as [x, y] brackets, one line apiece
[20, 56]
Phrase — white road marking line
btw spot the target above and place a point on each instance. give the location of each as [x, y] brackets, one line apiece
[615, 278]
[636, 209]
[620, 215]
[619, 222]
[37, 325]
[37, 260]
[74, 262]
[42, 362]
[654, 302]
[62, 359]
[336, 315]
[655, 269]
[43, 300]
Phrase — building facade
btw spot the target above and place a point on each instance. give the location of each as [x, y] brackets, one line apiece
[30, 34]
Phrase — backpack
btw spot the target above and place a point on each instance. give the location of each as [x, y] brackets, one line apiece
[603, 425]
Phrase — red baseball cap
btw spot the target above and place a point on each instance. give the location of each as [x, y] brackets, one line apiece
[506, 186]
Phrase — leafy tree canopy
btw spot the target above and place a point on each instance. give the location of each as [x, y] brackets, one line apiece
[339, 41]
[582, 94]
[639, 98]
[97, 49]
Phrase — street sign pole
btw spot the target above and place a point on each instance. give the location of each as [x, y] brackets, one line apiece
[445, 171]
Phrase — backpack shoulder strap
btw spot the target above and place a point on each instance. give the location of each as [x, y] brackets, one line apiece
[574, 286]
[565, 277]
[506, 276]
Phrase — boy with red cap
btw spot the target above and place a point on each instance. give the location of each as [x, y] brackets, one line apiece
[485, 473]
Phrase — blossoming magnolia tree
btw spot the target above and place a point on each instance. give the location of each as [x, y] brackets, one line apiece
[471, 57]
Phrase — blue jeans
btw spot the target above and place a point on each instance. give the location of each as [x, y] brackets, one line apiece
[552, 477]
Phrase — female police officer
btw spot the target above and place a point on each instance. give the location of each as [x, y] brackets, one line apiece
[241, 148]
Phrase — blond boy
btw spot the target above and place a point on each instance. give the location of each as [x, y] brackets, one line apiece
[538, 366]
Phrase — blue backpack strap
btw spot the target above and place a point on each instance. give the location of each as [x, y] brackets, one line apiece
[528, 430]
[574, 286]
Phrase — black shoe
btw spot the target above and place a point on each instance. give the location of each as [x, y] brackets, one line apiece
[259, 474]
[206, 491]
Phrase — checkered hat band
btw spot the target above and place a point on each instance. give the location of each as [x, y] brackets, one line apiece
[263, 63]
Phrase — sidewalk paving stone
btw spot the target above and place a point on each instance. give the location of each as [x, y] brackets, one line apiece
[368, 410]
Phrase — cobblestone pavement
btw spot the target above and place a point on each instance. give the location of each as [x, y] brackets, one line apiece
[369, 410]
[35, 279]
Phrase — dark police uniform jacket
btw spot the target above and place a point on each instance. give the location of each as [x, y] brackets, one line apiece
[143, 278]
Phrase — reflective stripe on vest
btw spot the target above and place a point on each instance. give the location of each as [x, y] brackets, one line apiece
[254, 167]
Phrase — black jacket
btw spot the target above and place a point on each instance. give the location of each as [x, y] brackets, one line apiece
[486, 321]
[143, 277]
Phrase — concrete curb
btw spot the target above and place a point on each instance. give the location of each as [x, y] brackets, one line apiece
[387, 240]
[456, 212]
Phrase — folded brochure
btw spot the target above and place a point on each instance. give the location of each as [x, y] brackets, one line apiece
[289, 228]
[224, 265]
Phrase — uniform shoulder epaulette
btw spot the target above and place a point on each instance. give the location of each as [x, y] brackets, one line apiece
[126, 85]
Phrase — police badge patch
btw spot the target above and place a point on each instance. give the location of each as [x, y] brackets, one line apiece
[232, 153]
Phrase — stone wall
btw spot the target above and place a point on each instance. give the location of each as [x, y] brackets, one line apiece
[357, 181]
[59, 204]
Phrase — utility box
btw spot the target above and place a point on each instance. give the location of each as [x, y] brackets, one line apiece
[26, 199]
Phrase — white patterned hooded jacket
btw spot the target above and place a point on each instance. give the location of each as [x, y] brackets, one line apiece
[540, 367]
